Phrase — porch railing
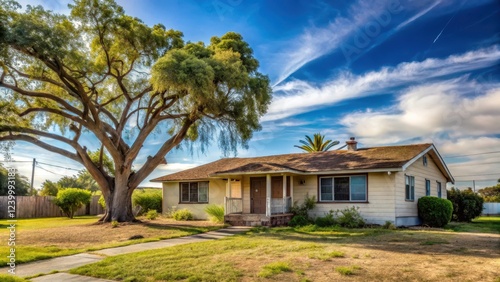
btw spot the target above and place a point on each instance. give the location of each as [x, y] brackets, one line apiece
[281, 205]
[233, 205]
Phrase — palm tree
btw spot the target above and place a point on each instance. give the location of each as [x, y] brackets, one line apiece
[319, 144]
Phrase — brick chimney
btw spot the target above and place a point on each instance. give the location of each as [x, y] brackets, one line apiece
[352, 144]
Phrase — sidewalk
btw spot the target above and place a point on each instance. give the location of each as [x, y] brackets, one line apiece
[62, 264]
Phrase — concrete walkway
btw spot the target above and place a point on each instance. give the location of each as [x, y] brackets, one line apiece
[69, 262]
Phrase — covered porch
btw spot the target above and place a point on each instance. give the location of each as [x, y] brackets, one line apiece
[260, 200]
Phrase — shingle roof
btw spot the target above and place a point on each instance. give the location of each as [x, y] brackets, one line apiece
[387, 157]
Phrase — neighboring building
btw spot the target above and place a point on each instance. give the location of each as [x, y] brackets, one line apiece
[384, 182]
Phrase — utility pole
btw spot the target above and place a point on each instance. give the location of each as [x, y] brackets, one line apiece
[33, 175]
[474, 185]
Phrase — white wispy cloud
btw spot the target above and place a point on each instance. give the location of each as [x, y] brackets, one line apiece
[298, 96]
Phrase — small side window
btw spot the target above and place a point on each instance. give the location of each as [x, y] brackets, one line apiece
[424, 159]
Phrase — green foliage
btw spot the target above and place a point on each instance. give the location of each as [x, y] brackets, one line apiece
[215, 213]
[11, 278]
[319, 144]
[152, 214]
[274, 268]
[69, 200]
[389, 225]
[115, 224]
[102, 202]
[349, 217]
[327, 220]
[22, 185]
[466, 204]
[148, 200]
[347, 270]
[435, 212]
[299, 220]
[183, 214]
[49, 188]
[303, 209]
[490, 194]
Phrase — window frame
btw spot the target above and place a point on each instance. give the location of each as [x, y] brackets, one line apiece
[427, 187]
[439, 188]
[410, 190]
[424, 160]
[189, 186]
[332, 177]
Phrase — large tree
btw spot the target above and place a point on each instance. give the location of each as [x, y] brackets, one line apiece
[99, 71]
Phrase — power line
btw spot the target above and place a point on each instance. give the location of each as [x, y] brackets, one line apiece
[467, 164]
[477, 174]
[59, 166]
[49, 171]
[457, 156]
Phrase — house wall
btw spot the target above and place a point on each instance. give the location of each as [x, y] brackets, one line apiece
[407, 211]
[379, 208]
[216, 194]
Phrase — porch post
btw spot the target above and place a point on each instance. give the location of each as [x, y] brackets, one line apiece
[268, 195]
[284, 193]
[227, 198]
[291, 188]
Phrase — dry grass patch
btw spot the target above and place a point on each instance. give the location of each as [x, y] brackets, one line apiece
[51, 237]
[285, 254]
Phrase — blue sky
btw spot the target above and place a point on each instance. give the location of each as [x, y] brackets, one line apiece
[386, 72]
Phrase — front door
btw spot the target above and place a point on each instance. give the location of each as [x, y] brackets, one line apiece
[258, 195]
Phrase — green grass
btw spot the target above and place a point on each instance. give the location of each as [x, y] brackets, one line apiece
[274, 268]
[28, 252]
[482, 224]
[347, 270]
[11, 278]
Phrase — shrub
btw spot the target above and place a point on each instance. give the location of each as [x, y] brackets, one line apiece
[69, 200]
[303, 210]
[215, 213]
[466, 204]
[435, 212]
[152, 214]
[389, 225]
[327, 220]
[183, 214]
[349, 217]
[115, 224]
[298, 220]
[147, 200]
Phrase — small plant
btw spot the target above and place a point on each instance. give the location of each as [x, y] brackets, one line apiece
[347, 270]
[152, 214]
[274, 268]
[115, 224]
[298, 220]
[389, 225]
[215, 213]
[302, 211]
[327, 220]
[435, 212]
[69, 200]
[183, 214]
[467, 205]
[349, 217]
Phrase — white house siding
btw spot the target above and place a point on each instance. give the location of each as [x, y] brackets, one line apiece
[381, 202]
[406, 211]
[216, 194]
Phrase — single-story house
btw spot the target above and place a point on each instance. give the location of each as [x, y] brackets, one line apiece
[384, 182]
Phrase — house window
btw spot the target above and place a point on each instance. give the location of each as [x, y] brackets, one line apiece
[194, 192]
[343, 189]
[424, 160]
[410, 188]
[427, 187]
[439, 189]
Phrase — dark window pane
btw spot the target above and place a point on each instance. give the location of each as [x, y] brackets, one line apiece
[184, 192]
[341, 189]
[193, 191]
[326, 189]
[203, 192]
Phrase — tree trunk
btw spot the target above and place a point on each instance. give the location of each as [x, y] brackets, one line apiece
[119, 202]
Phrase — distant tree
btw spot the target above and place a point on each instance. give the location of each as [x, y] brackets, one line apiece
[21, 183]
[317, 144]
[49, 188]
[102, 72]
[467, 205]
[490, 194]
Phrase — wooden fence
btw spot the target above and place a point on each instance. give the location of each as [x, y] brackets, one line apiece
[43, 206]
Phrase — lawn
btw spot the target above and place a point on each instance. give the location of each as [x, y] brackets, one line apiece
[53, 237]
[315, 254]
[483, 224]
